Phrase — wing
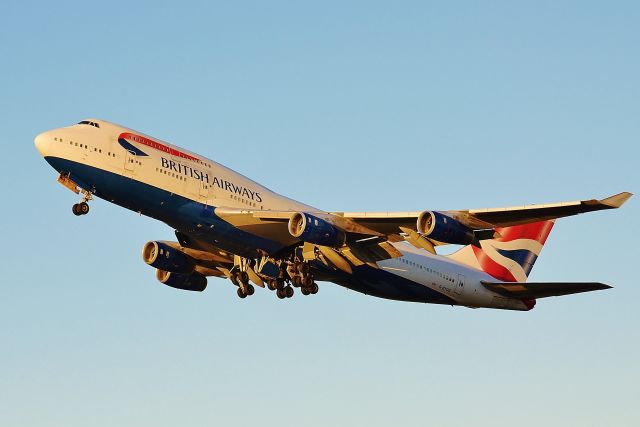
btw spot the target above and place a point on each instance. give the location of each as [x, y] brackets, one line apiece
[363, 245]
[480, 219]
[368, 233]
[533, 290]
[210, 260]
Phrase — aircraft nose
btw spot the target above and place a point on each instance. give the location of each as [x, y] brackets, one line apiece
[42, 142]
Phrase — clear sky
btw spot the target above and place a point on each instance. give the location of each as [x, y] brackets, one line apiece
[345, 106]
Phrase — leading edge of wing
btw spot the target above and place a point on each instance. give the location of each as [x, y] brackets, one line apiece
[517, 215]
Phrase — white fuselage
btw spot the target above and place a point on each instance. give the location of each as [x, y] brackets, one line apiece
[180, 172]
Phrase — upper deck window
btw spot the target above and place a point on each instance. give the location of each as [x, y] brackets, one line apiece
[87, 122]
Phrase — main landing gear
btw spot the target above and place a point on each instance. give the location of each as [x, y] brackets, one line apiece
[82, 208]
[293, 275]
[302, 278]
[283, 290]
[241, 280]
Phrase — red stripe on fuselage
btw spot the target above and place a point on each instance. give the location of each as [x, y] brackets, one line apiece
[157, 145]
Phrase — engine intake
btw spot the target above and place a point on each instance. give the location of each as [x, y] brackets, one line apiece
[312, 229]
[443, 228]
[164, 257]
[187, 282]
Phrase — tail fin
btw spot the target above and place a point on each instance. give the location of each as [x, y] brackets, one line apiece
[510, 257]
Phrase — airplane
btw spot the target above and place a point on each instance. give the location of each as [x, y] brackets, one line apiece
[229, 226]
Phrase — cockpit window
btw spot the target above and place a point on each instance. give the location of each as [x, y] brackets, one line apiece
[87, 122]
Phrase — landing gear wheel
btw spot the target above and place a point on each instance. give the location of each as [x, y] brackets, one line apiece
[288, 291]
[303, 268]
[272, 285]
[241, 293]
[314, 288]
[76, 209]
[281, 293]
[83, 208]
[308, 281]
[305, 291]
[296, 281]
[250, 289]
[280, 284]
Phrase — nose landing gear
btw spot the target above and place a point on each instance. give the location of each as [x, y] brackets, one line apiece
[82, 208]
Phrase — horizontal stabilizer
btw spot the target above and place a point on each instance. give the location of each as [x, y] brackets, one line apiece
[532, 290]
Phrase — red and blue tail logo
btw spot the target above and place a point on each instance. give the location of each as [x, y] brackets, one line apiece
[510, 257]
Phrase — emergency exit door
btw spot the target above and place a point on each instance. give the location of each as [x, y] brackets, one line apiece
[459, 289]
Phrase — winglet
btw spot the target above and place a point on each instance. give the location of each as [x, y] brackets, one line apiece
[617, 200]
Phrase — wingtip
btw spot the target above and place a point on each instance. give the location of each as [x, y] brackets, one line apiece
[601, 286]
[617, 200]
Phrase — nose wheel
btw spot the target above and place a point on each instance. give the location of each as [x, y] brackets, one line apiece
[82, 208]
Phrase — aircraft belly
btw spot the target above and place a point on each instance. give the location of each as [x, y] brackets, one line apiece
[383, 284]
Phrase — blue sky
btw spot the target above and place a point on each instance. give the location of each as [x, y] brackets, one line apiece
[346, 106]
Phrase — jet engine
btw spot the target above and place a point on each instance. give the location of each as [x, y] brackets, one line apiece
[443, 228]
[187, 282]
[164, 257]
[312, 229]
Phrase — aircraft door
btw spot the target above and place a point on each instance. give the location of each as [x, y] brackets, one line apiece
[130, 161]
[459, 289]
[204, 189]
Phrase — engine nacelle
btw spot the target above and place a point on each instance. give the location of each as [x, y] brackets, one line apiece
[443, 228]
[164, 257]
[187, 282]
[312, 229]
